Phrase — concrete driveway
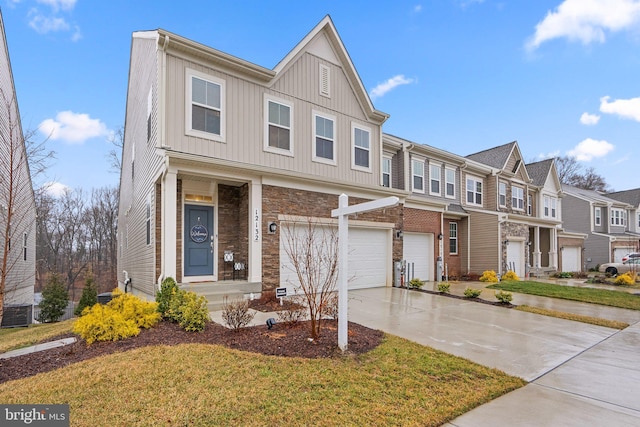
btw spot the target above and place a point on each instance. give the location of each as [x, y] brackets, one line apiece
[579, 374]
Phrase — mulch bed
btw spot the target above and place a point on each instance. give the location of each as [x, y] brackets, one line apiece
[282, 340]
[480, 300]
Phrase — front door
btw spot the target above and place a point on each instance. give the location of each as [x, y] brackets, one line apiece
[198, 240]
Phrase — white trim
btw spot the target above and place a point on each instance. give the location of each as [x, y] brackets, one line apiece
[475, 180]
[269, 98]
[389, 160]
[514, 197]
[452, 238]
[439, 178]
[189, 75]
[447, 182]
[333, 161]
[324, 83]
[500, 194]
[413, 162]
[366, 129]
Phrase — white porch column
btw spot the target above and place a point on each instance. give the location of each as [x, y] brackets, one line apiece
[169, 223]
[536, 248]
[553, 249]
[255, 231]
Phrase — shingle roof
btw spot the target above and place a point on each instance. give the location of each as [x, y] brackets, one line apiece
[591, 195]
[456, 208]
[495, 157]
[631, 197]
[539, 171]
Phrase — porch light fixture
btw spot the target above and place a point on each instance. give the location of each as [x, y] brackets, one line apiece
[399, 234]
[506, 243]
[440, 236]
[272, 227]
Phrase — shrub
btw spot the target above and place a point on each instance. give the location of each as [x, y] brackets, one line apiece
[103, 323]
[628, 279]
[168, 289]
[472, 293]
[89, 295]
[444, 287]
[236, 313]
[510, 275]
[55, 299]
[415, 283]
[143, 313]
[192, 313]
[330, 308]
[563, 275]
[297, 310]
[489, 276]
[504, 297]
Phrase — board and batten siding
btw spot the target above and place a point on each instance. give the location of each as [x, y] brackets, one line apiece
[136, 257]
[244, 124]
[484, 241]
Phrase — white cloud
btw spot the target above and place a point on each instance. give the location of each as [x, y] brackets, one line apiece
[45, 24]
[586, 21]
[77, 35]
[417, 8]
[59, 4]
[56, 189]
[390, 84]
[589, 149]
[551, 155]
[626, 108]
[589, 119]
[74, 128]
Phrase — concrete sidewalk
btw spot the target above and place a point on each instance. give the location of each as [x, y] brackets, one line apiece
[579, 374]
[38, 347]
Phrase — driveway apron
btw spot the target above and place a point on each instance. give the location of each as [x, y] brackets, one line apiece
[579, 374]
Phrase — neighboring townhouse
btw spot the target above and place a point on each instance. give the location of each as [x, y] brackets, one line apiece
[17, 202]
[605, 222]
[632, 198]
[514, 221]
[220, 155]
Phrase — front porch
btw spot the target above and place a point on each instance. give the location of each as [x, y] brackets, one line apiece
[216, 292]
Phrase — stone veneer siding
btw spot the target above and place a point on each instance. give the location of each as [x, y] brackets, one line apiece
[286, 201]
[513, 229]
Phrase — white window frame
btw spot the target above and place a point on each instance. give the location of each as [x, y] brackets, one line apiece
[517, 198]
[149, 231]
[267, 123]
[189, 75]
[550, 207]
[474, 191]
[617, 217]
[332, 161]
[25, 239]
[354, 127]
[435, 177]
[414, 175]
[386, 164]
[554, 207]
[530, 204]
[149, 110]
[638, 220]
[448, 182]
[502, 194]
[453, 237]
[597, 216]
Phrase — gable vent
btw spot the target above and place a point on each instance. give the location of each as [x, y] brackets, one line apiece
[515, 168]
[325, 80]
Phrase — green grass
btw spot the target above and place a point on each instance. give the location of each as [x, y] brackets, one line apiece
[614, 324]
[398, 383]
[591, 295]
[13, 338]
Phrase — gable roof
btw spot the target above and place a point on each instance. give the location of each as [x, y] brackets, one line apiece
[590, 195]
[631, 197]
[495, 157]
[539, 172]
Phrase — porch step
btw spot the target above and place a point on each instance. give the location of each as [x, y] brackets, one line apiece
[215, 292]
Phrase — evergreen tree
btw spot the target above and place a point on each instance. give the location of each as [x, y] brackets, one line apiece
[89, 295]
[54, 300]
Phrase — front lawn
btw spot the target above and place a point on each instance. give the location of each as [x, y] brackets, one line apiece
[591, 295]
[398, 383]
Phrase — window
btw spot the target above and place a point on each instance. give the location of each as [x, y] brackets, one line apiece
[149, 107]
[205, 106]
[148, 222]
[450, 182]
[530, 204]
[417, 171]
[474, 191]
[24, 246]
[517, 198]
[553, 207]
[617, 217]
[453, 238]
[386, 172]
[279, 116]
[639, 220]
[597, 216]
[361, 140]
[502, 194]
[550, 205]
[434, 178]
[323, 139]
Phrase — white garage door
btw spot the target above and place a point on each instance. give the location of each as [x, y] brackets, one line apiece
[515, 258]
[369, 257]
[571, 259]
[618, 253]
[418, 252]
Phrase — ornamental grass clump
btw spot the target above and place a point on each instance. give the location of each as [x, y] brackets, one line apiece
[415, 283]
[472, 293]
[444, 287]
[489, 276]
[628, 279]
[504, 297]
[510, 275]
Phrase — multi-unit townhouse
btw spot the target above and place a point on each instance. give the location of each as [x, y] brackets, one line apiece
[17, 202]
[632, 198]
[220, 155]
[604, 220]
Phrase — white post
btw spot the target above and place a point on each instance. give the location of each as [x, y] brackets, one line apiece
[343, 261]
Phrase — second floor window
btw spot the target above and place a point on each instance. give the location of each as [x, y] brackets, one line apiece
[550, 207]
[386, 172]
[434, 179]
[517, 198]
[502, 194]
[450, 182]
[361, 147]
[618, 217]
[206, 106]
[530, 204]
[474, 191]
[417, 172]
[597, 217]
[279, 125]
[323, 138]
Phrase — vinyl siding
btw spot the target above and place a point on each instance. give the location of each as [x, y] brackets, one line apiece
[484, 232]
[576, 214]
[244, 124]
[138, 258]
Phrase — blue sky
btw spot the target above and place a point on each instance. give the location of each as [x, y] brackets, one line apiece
[560, 77]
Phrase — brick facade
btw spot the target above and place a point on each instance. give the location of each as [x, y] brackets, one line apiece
[233, 224]
[453, 262]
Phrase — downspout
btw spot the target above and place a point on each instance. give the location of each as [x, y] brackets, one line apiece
[407, 165]
[161, 143]
[463, 190]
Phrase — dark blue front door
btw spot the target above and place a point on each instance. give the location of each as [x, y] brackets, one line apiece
[198, 240]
